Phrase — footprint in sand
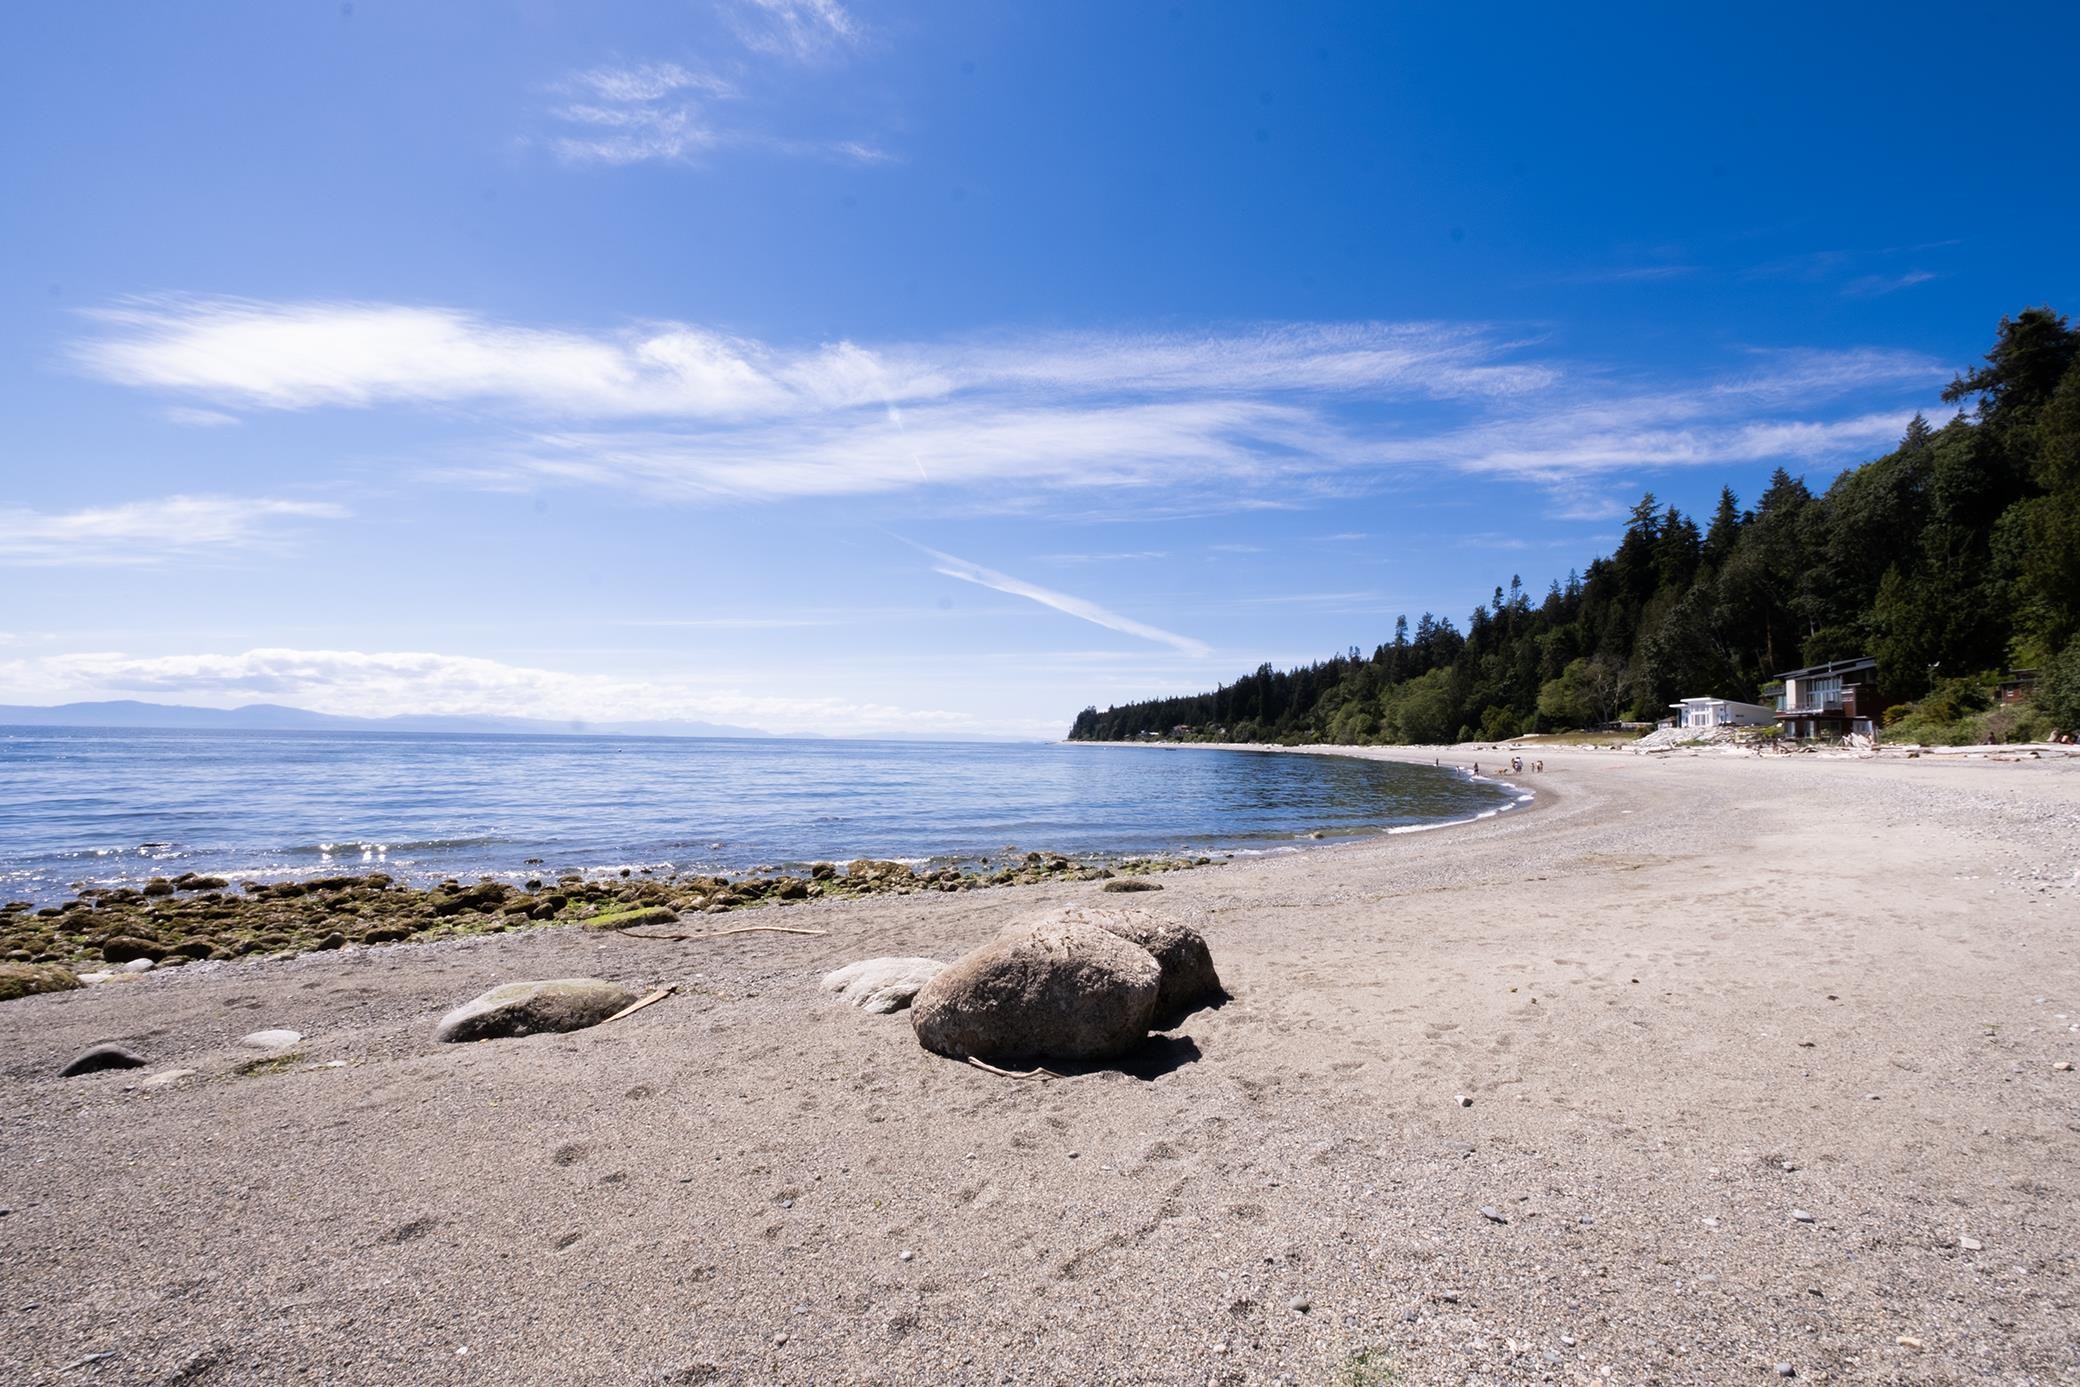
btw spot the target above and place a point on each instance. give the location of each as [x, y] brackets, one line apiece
[406, 1232]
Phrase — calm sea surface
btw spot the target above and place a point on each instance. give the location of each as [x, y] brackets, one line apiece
[110, 807]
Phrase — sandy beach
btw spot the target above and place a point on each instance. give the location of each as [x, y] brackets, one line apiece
[1761, 1057]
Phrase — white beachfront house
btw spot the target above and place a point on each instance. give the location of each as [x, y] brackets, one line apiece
[1704, 714]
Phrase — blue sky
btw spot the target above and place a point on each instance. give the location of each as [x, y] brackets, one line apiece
[940, 368]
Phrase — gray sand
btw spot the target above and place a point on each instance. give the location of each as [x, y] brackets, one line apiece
[1686, 997]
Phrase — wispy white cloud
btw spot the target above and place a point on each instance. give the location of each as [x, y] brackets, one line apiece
[954, 445]
[150, 532]
[241, 352]
[190, 418]
[646, 82]
[663, 112]
[1872, 286]
[1236, 418]
[1630, 274]
[724, 623]
[1123, 556]
[1062, 602]
[382, 683]
[625, 115]
[801, 31]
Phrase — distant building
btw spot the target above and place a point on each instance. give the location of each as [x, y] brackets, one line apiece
[1831, 700]
[2018, 687]
[1704, 714]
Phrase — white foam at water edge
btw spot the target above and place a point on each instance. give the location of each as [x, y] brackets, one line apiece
[1425, 828]
[616, 869]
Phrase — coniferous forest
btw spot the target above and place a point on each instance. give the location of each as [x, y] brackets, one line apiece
[1951, 559]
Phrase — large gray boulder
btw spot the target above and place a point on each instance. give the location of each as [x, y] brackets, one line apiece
[881, 985]
[1189, 981]
[528, 1008]
[1049, 989]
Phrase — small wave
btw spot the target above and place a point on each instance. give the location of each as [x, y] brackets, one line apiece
[1426, 828]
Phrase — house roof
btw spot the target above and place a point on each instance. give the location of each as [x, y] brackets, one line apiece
[1851, 666]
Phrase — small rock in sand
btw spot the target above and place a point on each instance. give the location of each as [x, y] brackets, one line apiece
[1301, 1304]
[1493, 1214]
[139, 965]
[1786, 1370]
[1462, 1100]
[881, 985]
[271, 1040]
[1971, 1244]
[165, 1077]
[528, 1008]
[2063, 1067]
[1801, 1216]
[102, 1057]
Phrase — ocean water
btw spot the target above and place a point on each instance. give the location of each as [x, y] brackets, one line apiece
[113, 807]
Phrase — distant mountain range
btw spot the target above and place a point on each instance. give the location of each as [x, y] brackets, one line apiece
[273, 717]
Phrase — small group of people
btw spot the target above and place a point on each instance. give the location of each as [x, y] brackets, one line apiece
[1516, 766]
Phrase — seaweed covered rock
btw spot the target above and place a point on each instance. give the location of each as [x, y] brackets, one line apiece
[529, 1008]
[123, 948]
[877, 874]
[881, 985]
[631, 919]
[1055, 988]
[25, 979]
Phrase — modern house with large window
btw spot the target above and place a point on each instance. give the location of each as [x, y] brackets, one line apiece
[1704, 714]
[1831, 700]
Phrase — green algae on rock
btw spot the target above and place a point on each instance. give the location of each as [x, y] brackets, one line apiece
[27, 979]
[205, 918]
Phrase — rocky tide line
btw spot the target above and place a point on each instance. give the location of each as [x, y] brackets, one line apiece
[169, 922]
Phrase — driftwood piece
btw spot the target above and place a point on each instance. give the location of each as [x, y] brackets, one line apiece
[637, 1005]
[718, 933]
[1036, 1073]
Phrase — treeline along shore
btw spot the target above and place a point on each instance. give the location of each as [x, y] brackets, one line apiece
[1951, 560]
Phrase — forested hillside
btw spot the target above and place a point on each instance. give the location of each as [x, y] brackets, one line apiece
[1953, 556]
